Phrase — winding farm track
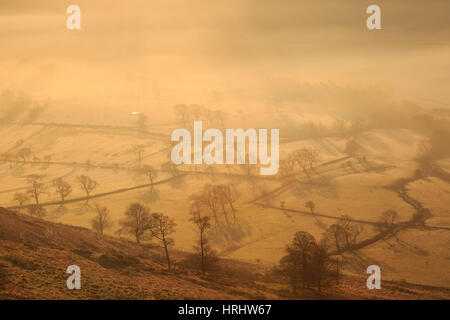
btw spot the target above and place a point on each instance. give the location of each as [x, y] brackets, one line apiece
[412, 223]
[417, 221]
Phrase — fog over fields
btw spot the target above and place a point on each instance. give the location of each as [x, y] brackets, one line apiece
[86, 118]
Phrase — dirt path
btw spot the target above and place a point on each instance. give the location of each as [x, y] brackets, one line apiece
[418, 220]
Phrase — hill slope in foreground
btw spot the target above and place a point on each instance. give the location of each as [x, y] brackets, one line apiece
[34, 256]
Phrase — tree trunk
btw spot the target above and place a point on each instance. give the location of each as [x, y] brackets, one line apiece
[36, 198]
[167, 253]
[225, 213]
[202, 252]
[137, 238]
[337, 270]
[294, 286]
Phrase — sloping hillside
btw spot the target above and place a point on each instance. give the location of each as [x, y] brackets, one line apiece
[34, 256]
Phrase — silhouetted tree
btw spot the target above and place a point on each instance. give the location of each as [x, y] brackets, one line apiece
[151, 173]
[287, 166]
[227, 197]
[306, 262]
[102, 220]
[137, 221]
[21, 198]
[202, 224]
[305, 158]
[23, 154]
[63, 188]
[387, 221]
[209, 198]
[335, 235]
[37, 210]
[87, 184]
[350, 230]
[37, 187]
[310, 205]
[302, 247]
[321, 267]
[161, 227]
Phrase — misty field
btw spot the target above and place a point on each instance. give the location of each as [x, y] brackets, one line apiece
[269, 209]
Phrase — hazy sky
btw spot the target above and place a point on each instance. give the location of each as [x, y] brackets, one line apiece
[190, 50]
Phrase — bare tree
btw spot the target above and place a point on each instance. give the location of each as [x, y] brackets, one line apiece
[24, 154]
[151, 173]
[306, 261]
[137, 221]
[63, 188]
[305, 158]
[218, 198]
[300, 157]
[37, 187]
[227, 197]
[303, 245]
[21, 198]
[296, 264]
[87, 184]
[310, 205]
[289, 268]
[36, 210]
[388, 220]
[350, 230]
[161, 227]
[210, 198]
[287, 166]
[102, 220]
[336, 236]
[202, 223]
[321, 265]
[312, 157]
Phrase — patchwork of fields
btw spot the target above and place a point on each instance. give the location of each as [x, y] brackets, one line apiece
[339, 185]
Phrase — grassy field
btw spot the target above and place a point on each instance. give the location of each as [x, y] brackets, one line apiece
[33, 265]
[345, 186]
